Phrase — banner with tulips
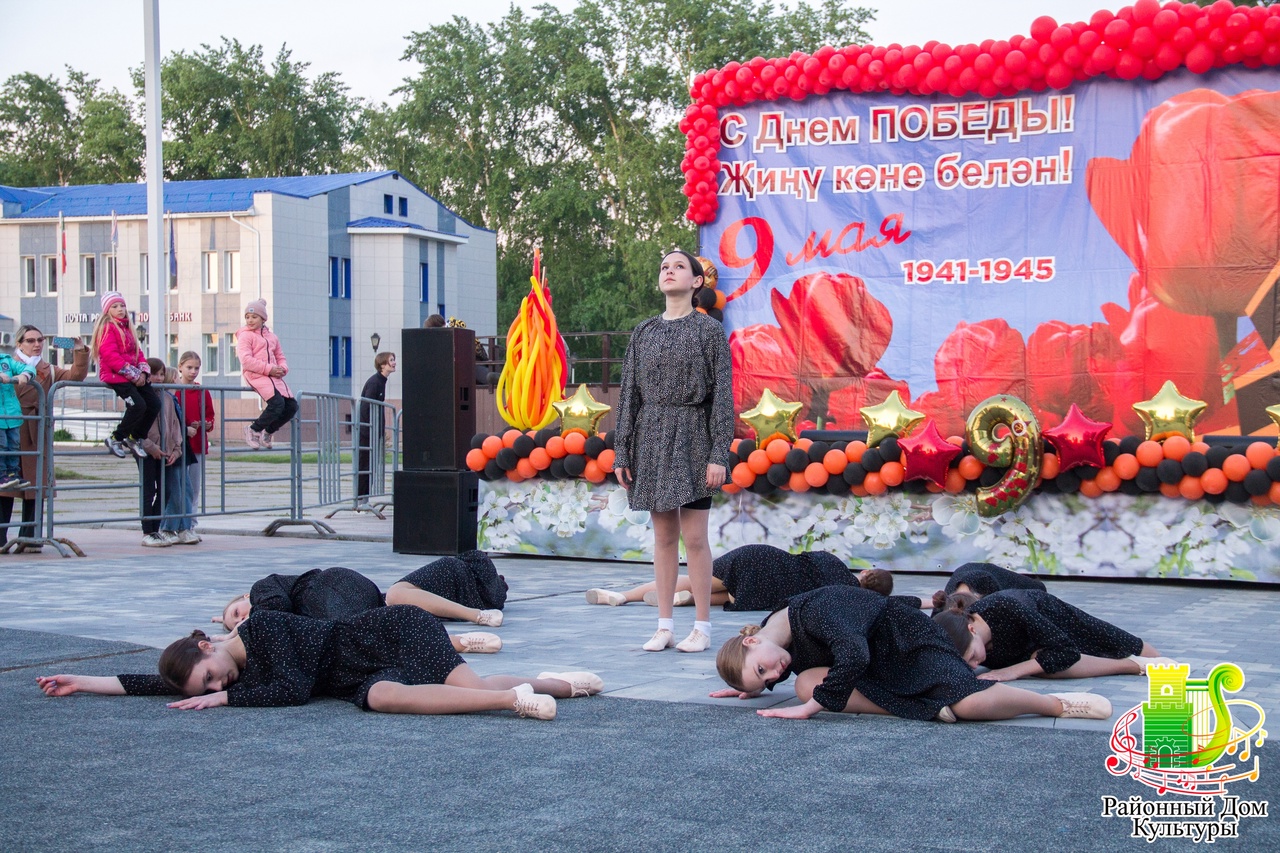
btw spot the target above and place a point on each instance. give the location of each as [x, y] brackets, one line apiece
[1075, 216]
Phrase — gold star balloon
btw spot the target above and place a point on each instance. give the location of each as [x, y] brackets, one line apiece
[1169, 413]
[891, 417]
[772, 418]
[1273, 412]
[581, 412]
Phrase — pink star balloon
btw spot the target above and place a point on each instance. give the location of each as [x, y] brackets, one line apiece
[1078, 440]
[927, 454]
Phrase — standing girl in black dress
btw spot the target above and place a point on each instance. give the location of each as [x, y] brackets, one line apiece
[671, 443]
[859, 652]
[392, 659]
[1021, 632]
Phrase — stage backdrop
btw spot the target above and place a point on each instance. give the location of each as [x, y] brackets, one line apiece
[1077, 246]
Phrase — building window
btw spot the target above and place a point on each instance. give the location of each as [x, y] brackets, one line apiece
[233, 272]
[29, 277]
[424, 276]
[346, 356]
[346, 278]
[335, 278]
[109, 267]
[144, 274]
[333, 356]
[233, 358]
[51, 275]
[388, 204]
[209, 272]
[210, 353]
[404, 206]
[89, 269]
[173, 349]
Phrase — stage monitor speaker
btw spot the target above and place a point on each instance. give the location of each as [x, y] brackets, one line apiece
[439, 374]
[435, 512]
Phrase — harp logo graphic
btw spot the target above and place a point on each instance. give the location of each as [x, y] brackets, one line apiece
[1188, 742]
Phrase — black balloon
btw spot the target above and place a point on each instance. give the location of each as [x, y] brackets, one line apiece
[1215, 499]
[1086, 472]
[477, 440]
[1110, 450]
[888, 449]
[1129, 444]
[818, 450]
[542, 436]
[1195, 463]
[1236, 493]
[1170, 472]
[492, 471]
[1130, 487]
[1067, 482]
[575, 464]
[1217, 455]
[797, 460]
[507, 459]
[523, 446]
[991, 476]
[778, 475]
[1257, 483]
[854, 474]
[1147, 479]
[716, 314]
[836, 486]
[1273, 469]
[762, 486]
[557, 469]
[608, 439]
[871, 459]
[594, 446]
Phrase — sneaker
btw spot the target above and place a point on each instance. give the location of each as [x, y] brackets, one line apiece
[10, 483]
[581, 683]
[154, 540]
[946, 715]
[662, 639]
[252, 437]
[23, 485]
[606, 596]
[138, 450]
[170, 536]
[537, 705]
[479, 643]
[1083, 706]
[695, 642]
[1142, 662]
[187, 537]
[265, 438]
[118, 448]
[683, 598]
[490, 618]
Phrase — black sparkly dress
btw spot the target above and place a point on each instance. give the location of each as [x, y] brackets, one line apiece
[469, 579]
[762, 577]
[1027, 622]
[988, 578]
[290, 659]
[675, 410]
[891, 653]
[333, 593]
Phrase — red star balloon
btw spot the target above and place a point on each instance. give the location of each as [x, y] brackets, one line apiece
[1078, 440]
[927, 454]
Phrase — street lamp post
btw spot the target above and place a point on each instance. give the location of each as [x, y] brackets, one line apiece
[375, 339]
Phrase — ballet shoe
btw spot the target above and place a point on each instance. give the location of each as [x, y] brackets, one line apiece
[683, 598]
[1083, 706]
[580, 683]
[490, 618]
[946, 715]
[479, 642]
[537, 705]
[1143, 663]
[662, 639]
[605, 596]
[695, 642]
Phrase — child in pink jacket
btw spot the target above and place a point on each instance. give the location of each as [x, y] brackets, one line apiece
[122, 365]
[264, 367]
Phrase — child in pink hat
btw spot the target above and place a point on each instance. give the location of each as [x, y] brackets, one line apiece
[122, 365]
[263, 366]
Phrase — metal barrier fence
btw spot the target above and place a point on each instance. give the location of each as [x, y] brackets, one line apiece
[336, 453]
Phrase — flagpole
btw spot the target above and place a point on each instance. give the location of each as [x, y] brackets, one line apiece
[157, 270]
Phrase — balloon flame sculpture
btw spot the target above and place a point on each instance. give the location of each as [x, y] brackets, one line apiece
[536, 368]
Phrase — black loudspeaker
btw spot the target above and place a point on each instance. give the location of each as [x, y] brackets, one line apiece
[439, 368]
[436, 512]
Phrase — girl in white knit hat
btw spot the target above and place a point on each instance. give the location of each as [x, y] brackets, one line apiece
[263, 366]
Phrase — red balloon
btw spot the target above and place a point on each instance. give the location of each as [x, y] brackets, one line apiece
[1144, 42]
[1167, 57]
[1062, 38]
[936, 79]
[927, 454]
[1073, 57]
[1016, 62]
[1118, 33]
[1042, 27]
[1200, 59]
[1077, 440]
[1165, 23]
[1145, 11]
[1058, 76]
[1236, 26]
[984, 64]
[1128, 67]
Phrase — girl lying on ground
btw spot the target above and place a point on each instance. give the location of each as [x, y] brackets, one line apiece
[338, 592]
[758, 577]
[980, 579]
[1021, 632]
[395, 659]
[859, 652]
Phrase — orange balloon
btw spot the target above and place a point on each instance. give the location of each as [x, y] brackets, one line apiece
[605, 459]
[1090, 488]
[1049, 466]
[526, 469]
[1259, 453]
[777, 450]
[835, 461]
[721, 299]
[957, 440]
[858, 491]
[540, 459]
[1107, 480]
[816, 475]
[730, 489]
[1200, 446]
[1261, 500]
[555, 447]
[758, 462]
[575, 443]
[476, 459]
[514, 475]
[892, 473]
[1126, 466]
[1274, 493]
[1189, 487]
[873, 484]
[1150, 453]
[1176, 446]
[1170, 490]
[491, 446]
[593, 472]
[733, 445]
[854, 450]
[743, 475]
[970, 468]
[1213, 481]
[804, 444]
[955, 482]
[798, 483]
[1236, 467]
[509, 437]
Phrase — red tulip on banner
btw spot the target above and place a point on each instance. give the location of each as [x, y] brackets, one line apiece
[1069, 365]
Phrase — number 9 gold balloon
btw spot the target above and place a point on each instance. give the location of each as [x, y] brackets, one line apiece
[1003, 433]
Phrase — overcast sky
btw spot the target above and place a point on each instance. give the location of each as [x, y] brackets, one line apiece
[364, 41]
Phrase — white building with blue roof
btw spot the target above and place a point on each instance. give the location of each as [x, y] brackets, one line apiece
[339, 259]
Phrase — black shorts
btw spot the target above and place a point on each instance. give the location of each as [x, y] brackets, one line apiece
[701, 503]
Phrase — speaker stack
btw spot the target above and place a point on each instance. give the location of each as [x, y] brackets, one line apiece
[436, 497]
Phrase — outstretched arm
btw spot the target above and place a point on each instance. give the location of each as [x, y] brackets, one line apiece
[65, 685]
[798, 712]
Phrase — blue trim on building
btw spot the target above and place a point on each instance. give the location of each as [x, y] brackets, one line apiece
[380, 222]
